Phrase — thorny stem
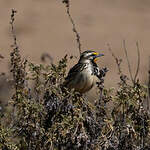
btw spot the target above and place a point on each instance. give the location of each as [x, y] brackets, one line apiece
[129, 67]
[138, 64]
[148, 98]
[18, 65]
[1, 56]
[118, 61]
[12, 27]
[67, 2]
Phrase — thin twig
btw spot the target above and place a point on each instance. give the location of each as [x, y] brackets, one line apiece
[12, 28]
[118, 61]
[67, 2]
[129, 67]
[2, 57]
[138, 63]
[45, 56]
[148, 98]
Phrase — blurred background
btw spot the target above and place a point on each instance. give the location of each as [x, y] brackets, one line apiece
[42, 26]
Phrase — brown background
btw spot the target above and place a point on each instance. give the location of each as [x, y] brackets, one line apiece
[43, 26]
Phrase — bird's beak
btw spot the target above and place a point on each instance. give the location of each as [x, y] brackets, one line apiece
[99, 55]
[96, 56]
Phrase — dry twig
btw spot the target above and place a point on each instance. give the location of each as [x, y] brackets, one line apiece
[2, 57]
[12, 28]
[148, 99]
[67, 2]
[129, 67]
[138, 62]
[118, 61]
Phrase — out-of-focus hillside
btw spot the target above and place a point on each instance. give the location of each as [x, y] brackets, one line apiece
[43, 26]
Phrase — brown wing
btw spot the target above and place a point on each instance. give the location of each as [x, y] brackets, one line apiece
[74, 70]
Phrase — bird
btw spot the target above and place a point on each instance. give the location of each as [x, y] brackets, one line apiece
[83, 75]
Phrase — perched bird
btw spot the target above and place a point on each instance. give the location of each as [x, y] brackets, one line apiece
[83, 76]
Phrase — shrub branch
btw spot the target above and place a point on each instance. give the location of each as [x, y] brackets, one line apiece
[67, 2]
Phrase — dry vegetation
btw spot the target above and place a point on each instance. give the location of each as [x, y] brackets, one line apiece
[46, 116]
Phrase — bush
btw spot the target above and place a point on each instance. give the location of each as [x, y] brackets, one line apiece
[45, 115]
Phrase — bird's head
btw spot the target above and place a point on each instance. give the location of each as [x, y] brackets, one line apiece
[90, 55]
